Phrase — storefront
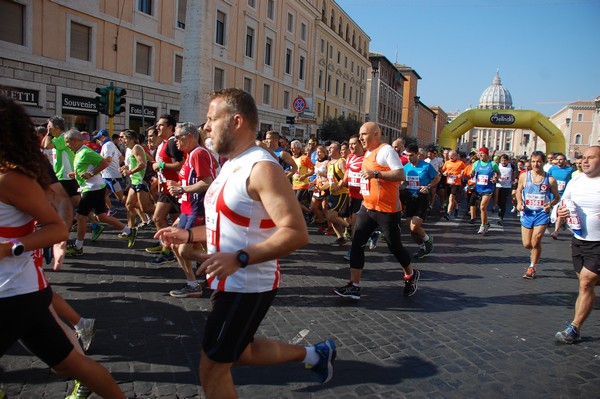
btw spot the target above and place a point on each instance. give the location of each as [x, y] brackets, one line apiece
[80, 113]
[29, 99]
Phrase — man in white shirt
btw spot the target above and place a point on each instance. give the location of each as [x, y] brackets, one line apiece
[584, 192]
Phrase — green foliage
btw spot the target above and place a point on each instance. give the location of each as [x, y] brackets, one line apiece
[339, 129]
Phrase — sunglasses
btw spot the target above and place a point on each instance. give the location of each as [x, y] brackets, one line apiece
[179, 136]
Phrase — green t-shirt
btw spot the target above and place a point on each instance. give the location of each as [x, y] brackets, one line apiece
[86, 160]
[138, 176]
[63, 165]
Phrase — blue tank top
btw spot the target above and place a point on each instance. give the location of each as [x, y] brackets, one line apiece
[535, 196]
[483, 178]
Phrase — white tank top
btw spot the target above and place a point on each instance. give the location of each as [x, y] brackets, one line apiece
[235, 221]
[20, 274]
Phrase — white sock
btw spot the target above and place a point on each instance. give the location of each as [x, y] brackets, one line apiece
[312, 357]
[79, 324]
[193, 283]
[422, 246]
[78, 244]
[127, 230]
[425, 237]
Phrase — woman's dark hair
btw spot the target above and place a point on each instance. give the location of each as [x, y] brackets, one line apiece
[19, 145]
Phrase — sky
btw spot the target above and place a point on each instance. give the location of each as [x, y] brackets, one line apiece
[547, 52]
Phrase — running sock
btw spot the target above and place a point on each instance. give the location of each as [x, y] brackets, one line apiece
[312, 357]
[422, 246]
[193, 283]
[126, 229]
[78, 244]
[425, 237]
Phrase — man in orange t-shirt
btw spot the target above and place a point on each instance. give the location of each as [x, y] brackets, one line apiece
[381, 175]
[453, 169]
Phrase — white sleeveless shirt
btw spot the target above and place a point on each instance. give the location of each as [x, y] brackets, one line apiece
[235, 221]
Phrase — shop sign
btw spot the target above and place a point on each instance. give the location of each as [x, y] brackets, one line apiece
[76, 103]
[136, 111]
[22, 96]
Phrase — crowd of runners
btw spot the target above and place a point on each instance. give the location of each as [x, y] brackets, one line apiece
[358, 191]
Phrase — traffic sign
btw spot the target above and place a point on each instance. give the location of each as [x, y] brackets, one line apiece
[299, 104]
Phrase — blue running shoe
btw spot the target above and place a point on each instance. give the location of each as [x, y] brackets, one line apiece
[569, 335]
[327, 353]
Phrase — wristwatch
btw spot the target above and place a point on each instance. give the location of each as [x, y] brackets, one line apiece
[17, 248]
[243, 258]
[376, 174]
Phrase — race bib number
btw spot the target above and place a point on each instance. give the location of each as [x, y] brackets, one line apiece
[413, 182]
[561, 185]
[483, 180]
[535, 201]
[354, 179]
[365, 187]
[451, 179]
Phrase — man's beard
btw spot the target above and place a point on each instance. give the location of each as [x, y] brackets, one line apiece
[224, 144]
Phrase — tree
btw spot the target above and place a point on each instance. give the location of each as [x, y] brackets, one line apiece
[339, 129]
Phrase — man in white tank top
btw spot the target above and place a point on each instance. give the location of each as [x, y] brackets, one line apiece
[251, 221]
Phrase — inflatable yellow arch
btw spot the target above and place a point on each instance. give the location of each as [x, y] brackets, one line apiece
[504, 119]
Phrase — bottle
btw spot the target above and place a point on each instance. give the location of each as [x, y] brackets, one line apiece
[573, 219]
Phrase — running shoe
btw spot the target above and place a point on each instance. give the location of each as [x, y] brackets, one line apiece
[327, 353]
[347, 234]
[187, 292]
[481, 230]
[410, 283]
[446, 216]
[456, 212]
[429, 245]
[323, 228]
[420, 253]
[472, 221]
[131, 237]
[569, 335]
[340, 242]
[80, 391]
[554, 235]
[158, 248]
[530, 273]
[112, 212]
[86, 333]
[163, 258]
[348, 291]
[373, 239]
[73, 251]
[513, 210]
[500, 222]
[48, 255]
[330, 232]
[122, 235]
[96, 232]
[347, 256]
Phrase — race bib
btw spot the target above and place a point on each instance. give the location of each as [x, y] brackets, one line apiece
[365, 187]
[354, 179]
[535, 201]
[451, 179]
[561, 185]
[483, 180]
[413, 182]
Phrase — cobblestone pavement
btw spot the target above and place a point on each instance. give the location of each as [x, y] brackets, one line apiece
[474, 329]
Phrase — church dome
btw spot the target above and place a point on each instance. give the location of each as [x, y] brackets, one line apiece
[495, 96]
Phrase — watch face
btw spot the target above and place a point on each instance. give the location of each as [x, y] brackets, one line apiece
[18, 249]
[243, 258]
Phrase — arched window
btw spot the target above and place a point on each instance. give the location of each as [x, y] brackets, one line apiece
[578, 138]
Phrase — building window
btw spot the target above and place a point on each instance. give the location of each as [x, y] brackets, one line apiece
[290, 23]
[143, 56]
[219, 79]
[337, 87]
[330, 52]
[579, 117]
[145, 6]
[286, 99]
[267, 94]
[178, 68]
[328, 84]
[344, 91]
[252, 3]
[288, 61]
[12, 22]
[339, 57]
[301, 68]
[578, 138]
[80, 41]
[322, 45]
[303, 31]
[320, 79]
[350, 94]
[248, 85]
[220, 28]
[181, 13]
[271, 9]
[249, 42]
[269, 52]
[345, 62]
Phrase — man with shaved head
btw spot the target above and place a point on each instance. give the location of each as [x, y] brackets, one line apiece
[380, 175]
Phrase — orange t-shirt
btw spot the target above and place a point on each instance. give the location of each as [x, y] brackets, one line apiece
[379, 195]
[454, 172]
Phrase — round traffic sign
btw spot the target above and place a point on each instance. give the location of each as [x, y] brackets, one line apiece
[299, 104]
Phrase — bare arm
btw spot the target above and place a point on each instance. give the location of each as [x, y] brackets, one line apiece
[519, 192]
[290, 161]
